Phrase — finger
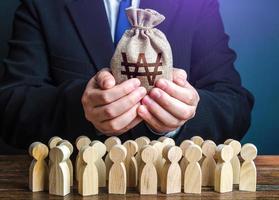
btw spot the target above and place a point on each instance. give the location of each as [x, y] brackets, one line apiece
[120, 106]
[177, 108]
[134, 123]
[119, 123]
[154, 123]
[160, 113]
[179, 76]
[105, 79]
[184, 94]
[104, 97]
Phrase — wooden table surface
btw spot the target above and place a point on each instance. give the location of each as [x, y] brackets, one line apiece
[14, 184]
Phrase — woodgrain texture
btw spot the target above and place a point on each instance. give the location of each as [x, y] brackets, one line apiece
[148, 175]
[14, 184]
[193, 174]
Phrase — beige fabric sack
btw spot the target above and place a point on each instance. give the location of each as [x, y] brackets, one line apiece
[143, 51]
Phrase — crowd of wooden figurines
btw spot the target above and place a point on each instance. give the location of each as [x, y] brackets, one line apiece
[148, 166]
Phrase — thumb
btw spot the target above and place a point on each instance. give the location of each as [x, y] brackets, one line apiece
[105, 79]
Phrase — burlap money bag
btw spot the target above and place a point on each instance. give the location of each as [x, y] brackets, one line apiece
[143, 51]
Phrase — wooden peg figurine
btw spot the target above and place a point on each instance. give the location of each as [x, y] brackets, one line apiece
[80, 142]
[235, 160]
[184, 162]
[131, 163]
[110, 142]
[100, 164]
[224, 172]
[197, 140]
[248, 171]
[171, 172]
[141, 142]
[68, 161]
[38, 171]
[59, 176]
[88, 177]
[159, 163]
[117, 173]
[209, 164]
[148, 174]
[193, 174]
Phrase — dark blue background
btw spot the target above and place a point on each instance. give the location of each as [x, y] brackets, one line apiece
[254, 29]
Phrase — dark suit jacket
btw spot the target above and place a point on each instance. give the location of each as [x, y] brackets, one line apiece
[58, 45]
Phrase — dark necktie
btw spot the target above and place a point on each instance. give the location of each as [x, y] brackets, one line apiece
[122, 23]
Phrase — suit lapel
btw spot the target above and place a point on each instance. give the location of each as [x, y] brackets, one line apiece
[90, 19]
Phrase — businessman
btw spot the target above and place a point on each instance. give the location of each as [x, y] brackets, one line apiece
[57, 79]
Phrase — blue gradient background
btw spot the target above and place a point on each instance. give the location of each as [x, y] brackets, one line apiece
[254, 29]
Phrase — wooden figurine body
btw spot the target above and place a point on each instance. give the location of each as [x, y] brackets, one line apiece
[148, 174]
[184, 162]
[68, 161]
[100, 164]
[80, 142]
[88, 177]
[117, 173]
[59, 176]
[131, 163]
[224, 172]
[209, 164]
[171, 172]
[38, 171]
[110, 142]
[235, 160]
[248, 171]
[193, 174]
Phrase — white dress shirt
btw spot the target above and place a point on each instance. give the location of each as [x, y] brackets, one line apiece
[112, 7]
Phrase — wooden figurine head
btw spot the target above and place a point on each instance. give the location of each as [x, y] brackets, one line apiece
[54, 141]
[100, 147]
[59, 154]
[184, 145]
[89, 154]
[82, 141]
[197, 140]
[193, 153]
[142, 141]
[118, 153]
[235, 145]
[68, 144]
[172, 153]
[208, 148]
[38, 150]
[224, 152]
[111, 141]
[131, 147]
[249, 152]
[148, 154]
